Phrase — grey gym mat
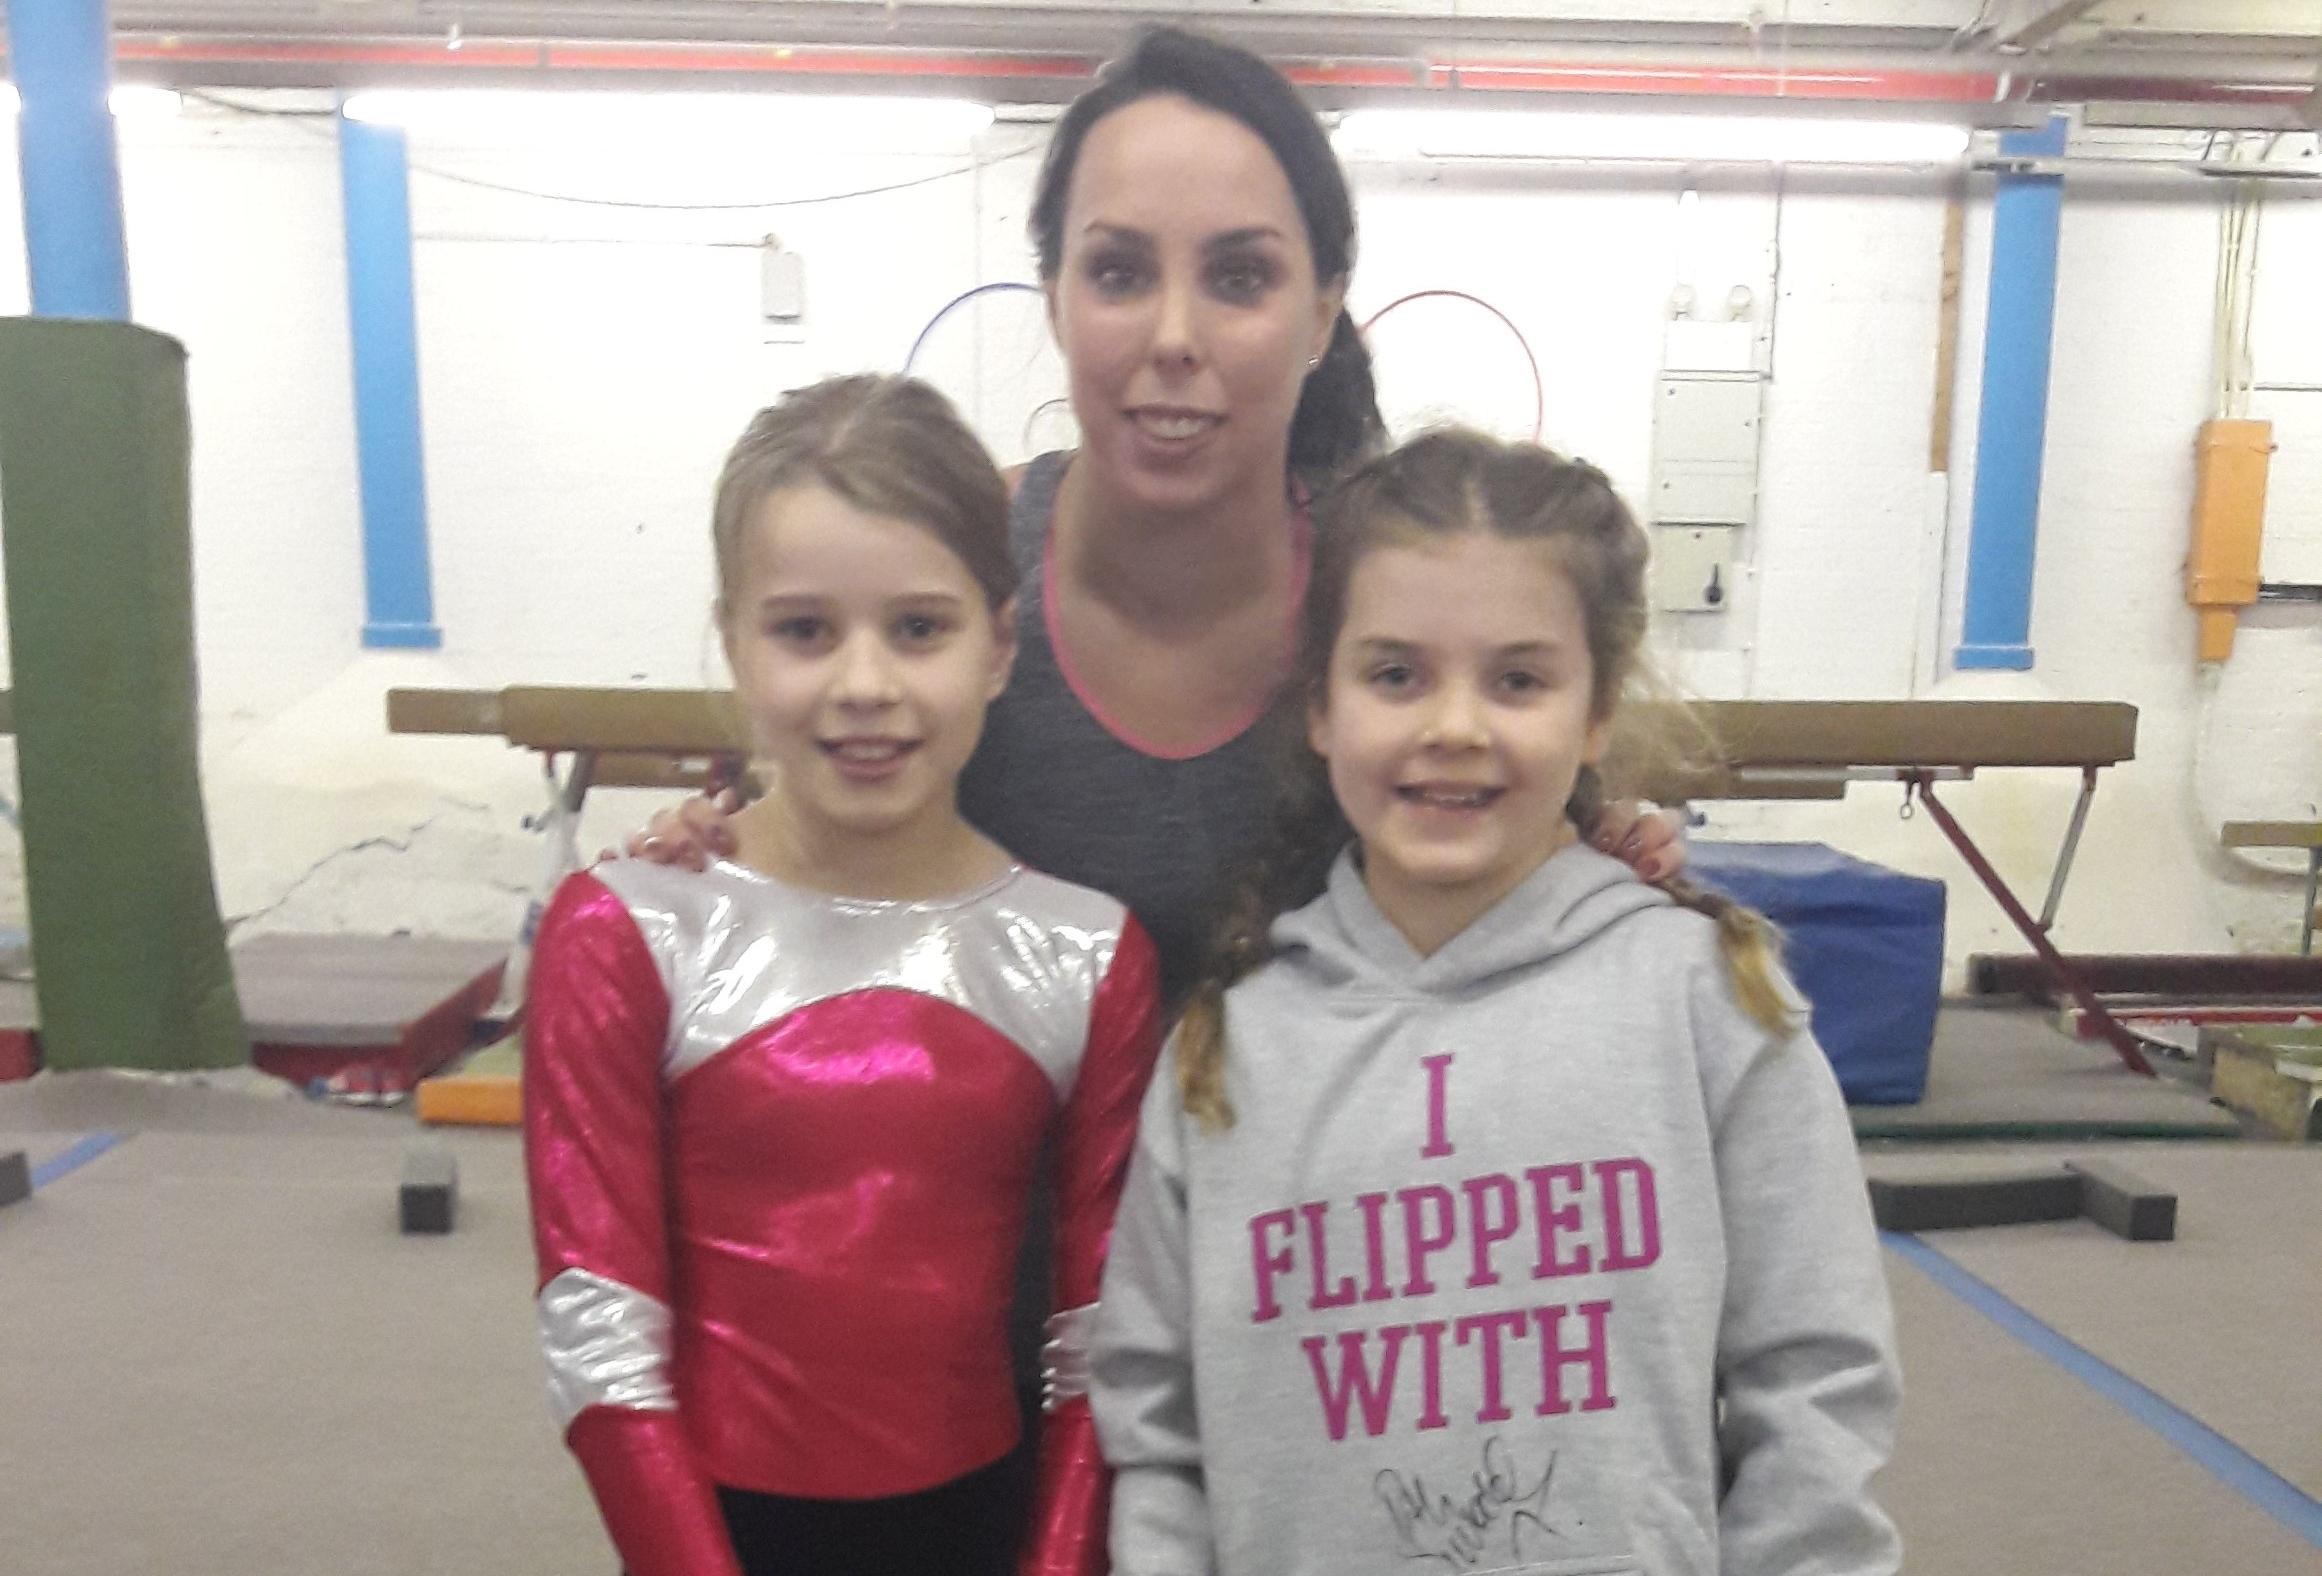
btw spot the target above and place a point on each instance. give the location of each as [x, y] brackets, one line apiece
[221, 1359]
[239, 1100]
[2003, 1071]
[2222, 1322]
[2009, 1465]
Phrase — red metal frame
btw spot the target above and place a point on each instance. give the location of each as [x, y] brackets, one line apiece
[2198, 1015]
[2124, 1044]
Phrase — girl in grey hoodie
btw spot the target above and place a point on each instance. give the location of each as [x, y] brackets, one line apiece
[1500, 1215]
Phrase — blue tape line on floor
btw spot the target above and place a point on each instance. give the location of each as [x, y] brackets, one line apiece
[70, 1160]
[2240, 1471]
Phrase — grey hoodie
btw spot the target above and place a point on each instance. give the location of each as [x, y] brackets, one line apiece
[1534, 1255]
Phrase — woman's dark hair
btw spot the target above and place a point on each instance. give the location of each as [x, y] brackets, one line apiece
[1439, 486]
[1337, 424]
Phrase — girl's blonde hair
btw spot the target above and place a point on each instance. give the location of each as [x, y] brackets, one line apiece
[1442, 484]
[888, 445]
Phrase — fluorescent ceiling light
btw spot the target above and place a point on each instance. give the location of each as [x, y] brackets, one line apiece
[1705, 139]
[128, 101]
[579, 113]
[133, 102]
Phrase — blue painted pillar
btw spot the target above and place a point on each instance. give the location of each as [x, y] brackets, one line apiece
[2012, 428]
[398, 589]
[60, 53]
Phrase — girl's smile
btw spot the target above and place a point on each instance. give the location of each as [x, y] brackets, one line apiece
[868, 759]
[1455, 720]
[864, 653]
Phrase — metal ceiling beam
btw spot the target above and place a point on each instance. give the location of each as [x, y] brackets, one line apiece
[1298, 27]
[1863, 52]
[2047, 19]
[1059, 24]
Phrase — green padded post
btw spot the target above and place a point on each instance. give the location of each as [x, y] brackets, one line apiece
[95, 478]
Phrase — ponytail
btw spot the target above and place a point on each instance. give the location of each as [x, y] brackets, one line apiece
[1748, 941]
[1751, 947]
[1337, 425]
[1241, 949]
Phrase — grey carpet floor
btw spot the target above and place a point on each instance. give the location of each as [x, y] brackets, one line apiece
[219, 1358]
[2007, 1466]
[2225, 1322]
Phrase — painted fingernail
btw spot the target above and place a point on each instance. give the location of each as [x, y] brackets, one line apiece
[651, 845]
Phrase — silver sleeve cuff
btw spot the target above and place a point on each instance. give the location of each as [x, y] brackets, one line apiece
[607, 1345]
[1064, 1359]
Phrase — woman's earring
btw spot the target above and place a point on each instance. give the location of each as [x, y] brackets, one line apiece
[1312, 362]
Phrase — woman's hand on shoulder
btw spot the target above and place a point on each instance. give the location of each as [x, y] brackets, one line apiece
[691, 834]
[1651, 839]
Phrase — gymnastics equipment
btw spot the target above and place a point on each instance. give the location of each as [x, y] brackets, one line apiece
[2120, 1202]
[95, 476]
[672, 738]
[430, 1193]
[15, 1178]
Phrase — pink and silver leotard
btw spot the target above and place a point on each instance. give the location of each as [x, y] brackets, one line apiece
[780, 1146]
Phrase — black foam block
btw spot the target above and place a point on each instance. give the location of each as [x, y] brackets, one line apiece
[2124, 1203]
[1994, 1199]
[431, 1190]
[15, 1178]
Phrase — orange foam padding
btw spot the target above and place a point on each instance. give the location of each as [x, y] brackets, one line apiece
[2229, 513]
[472, 1101]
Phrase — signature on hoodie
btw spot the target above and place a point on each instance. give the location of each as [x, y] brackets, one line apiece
[1460, 1528]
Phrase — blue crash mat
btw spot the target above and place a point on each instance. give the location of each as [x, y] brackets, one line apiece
[1864, 943]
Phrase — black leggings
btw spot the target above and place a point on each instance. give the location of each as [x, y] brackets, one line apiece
[967, 1527]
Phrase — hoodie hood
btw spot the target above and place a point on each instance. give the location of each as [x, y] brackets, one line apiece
[1342, 938]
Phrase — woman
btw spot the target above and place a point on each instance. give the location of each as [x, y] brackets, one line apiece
[1195, 237]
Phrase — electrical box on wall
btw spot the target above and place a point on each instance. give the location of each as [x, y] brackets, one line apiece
[1732, 346]
[1692, 567]
[1705, 449]
[1705, 485]
[1701, 493]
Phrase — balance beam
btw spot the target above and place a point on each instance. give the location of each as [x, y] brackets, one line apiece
[672, 738]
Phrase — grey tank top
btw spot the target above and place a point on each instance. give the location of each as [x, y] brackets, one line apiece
[1065, 794]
